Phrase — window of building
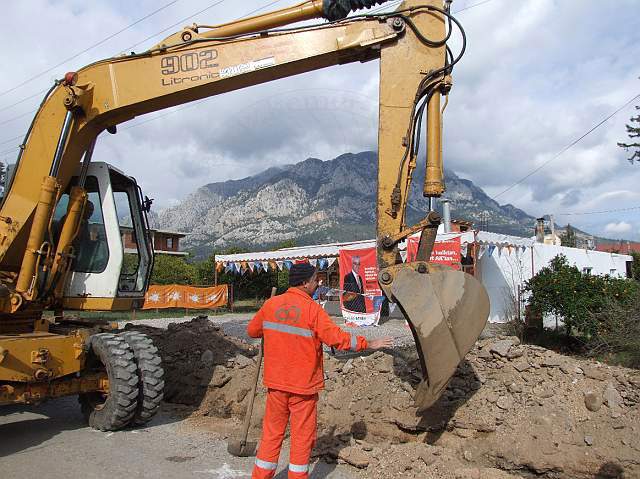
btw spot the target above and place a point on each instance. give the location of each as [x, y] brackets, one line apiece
[169, 243]
[587, 270]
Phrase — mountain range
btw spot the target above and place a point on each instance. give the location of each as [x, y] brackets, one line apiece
[317, 201]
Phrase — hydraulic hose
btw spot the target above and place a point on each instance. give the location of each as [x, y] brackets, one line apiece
[338, 9]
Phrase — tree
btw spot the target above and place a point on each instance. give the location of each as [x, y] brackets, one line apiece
[568, 238]
[172, 270]
[633, 132]
[562, 290]
[290, 243]
[635, 269]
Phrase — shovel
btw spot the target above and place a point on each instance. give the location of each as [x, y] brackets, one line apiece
[241, 447]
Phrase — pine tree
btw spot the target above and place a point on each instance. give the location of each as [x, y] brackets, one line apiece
[634, 132]
[568, 238]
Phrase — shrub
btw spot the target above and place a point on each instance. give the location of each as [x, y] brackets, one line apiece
[564, 291]
[618, 331]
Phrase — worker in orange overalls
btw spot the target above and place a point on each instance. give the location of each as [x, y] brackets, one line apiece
[294, 327]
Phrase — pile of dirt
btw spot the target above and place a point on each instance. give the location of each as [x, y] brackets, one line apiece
[511, 410]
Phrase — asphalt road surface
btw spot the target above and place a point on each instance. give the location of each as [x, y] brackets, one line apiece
[52, 441]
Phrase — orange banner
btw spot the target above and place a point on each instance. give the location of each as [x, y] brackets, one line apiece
[177, 296]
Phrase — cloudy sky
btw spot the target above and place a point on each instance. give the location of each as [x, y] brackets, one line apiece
[538, 75]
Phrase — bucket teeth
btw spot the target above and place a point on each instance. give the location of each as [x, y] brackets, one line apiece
[447, 310]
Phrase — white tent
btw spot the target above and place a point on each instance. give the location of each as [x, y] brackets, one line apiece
[504, 262]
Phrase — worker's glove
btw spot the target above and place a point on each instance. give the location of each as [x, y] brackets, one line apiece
[339, 9]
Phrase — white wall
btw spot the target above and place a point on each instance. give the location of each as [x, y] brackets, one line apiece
[502, 271]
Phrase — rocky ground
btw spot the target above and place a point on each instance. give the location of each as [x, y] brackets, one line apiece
[511, 410]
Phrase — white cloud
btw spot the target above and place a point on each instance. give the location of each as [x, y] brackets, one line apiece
[533, 80]
[618, 228]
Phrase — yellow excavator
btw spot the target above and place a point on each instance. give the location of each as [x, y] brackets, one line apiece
[62, 215]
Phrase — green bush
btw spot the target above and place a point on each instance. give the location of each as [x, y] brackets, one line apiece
[618, 333]
[636, 266]
[172, 270]
[564, 291]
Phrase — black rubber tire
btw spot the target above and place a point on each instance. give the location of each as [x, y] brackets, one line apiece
[150, 376]
[115, 410]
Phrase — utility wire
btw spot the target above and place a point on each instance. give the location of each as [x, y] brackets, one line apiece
[398, 2]
[28, 80]
[24, 99]
[599, 212]
[267, 5]
[12, 139]
[569, 146]
[180, 22]
[18, 117]
[173, 25]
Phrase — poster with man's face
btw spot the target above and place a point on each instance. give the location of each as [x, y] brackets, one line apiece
[360, 292]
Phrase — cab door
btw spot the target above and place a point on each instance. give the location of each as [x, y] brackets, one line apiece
[104, 276]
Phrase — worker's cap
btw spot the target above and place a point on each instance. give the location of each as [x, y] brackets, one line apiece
[300, 273]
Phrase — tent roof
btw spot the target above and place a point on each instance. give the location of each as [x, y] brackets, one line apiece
[332, 249]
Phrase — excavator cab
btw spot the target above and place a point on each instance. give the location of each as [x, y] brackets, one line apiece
[113, 250]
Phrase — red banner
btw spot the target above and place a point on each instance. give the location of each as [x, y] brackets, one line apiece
[444, 252]
[361, 295]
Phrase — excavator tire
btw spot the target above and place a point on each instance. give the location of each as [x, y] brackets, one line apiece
[116, 409]
[150, 376]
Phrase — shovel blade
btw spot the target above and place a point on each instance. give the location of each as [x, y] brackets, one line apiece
[242, 448]
[447, 310]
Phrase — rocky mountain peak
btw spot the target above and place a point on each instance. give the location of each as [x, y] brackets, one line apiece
[316, 201]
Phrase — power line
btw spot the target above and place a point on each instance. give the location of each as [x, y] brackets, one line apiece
[469, 7]
[174, 25]
[88, 48]
[99, 43]
[179, 22]
[12, 139]
[267, 5]
[18, 117]
[398, 2]
[600, 212]
[569, 146]
[24, 99]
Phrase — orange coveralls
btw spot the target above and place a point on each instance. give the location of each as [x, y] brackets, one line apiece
[294, 328]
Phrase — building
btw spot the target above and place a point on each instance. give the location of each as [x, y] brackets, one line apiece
[546, 232]
[621, 247]
[164, 241]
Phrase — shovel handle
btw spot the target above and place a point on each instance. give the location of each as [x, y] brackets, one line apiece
[247, 417]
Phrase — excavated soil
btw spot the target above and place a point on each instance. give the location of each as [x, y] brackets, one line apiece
[511, 410]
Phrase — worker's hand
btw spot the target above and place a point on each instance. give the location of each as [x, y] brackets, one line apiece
[381, 343]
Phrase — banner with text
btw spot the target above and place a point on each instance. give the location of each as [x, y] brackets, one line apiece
[361, 298]
[444, 251]
[190, 297]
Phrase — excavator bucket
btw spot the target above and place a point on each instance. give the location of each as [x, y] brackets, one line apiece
[447, 310]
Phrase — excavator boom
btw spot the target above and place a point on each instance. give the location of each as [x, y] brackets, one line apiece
[446, 309]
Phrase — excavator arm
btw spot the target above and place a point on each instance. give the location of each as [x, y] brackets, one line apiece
[446, 310]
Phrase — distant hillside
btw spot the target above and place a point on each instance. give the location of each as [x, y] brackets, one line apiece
[316, 201]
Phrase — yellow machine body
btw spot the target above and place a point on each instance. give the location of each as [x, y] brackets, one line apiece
[37, 267]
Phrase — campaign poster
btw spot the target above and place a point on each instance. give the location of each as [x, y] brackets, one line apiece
[444, 251]
[361, 297]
